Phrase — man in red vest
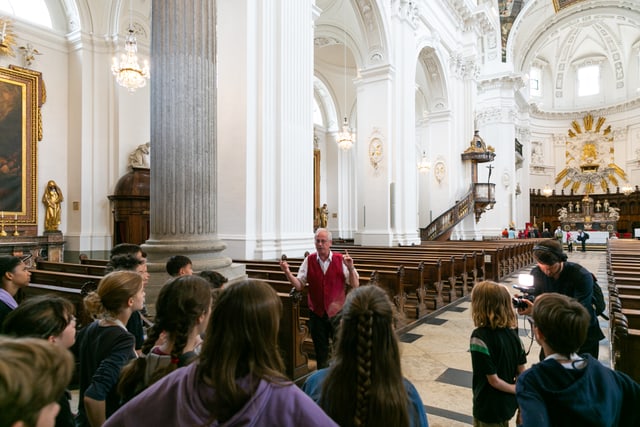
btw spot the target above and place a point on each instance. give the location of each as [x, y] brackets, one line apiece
[326, 274]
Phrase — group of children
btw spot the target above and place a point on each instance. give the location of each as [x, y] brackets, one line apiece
[564, 389]
[211, 357]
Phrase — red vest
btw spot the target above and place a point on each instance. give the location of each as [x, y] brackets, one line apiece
[326, 291]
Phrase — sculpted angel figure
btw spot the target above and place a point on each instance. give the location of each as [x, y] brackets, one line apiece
[562, 214]
[614, 213]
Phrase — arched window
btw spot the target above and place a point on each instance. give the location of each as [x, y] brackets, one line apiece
[35, 11]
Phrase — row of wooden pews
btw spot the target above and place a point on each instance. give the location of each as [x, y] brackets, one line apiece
[623, 270]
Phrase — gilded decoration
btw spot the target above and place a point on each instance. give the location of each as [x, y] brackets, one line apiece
[589, 157]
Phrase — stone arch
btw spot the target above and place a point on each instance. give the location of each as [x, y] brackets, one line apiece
[375, 37]
[436, 94]
[326, 100]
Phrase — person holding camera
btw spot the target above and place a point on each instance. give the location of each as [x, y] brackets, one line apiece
[497, 354]
[555, 274]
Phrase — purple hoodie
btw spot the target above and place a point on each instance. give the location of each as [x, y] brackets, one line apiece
[179, 399]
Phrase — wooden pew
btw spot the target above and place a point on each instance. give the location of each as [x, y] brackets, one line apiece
[88, 261]
[625, 346]
[66, 267]
[291, 337]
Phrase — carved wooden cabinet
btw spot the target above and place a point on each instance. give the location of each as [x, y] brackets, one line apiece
[130, 207]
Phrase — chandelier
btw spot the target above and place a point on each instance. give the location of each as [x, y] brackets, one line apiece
[127, 71]
[627, 189]
[345, 137]
[424, 164]
[547, 191]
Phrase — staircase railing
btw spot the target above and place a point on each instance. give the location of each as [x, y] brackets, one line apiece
[450, 218]
[480, 198]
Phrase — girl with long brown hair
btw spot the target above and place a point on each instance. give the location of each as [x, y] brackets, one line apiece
[238, 378]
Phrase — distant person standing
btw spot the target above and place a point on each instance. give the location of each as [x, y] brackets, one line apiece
[582, 238]
[569, 242]
[558, 234]
[327, 274]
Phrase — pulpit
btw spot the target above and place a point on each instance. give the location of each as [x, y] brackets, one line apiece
[130, 207]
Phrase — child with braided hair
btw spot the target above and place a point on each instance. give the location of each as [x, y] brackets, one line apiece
[182, 313]
[372, 373]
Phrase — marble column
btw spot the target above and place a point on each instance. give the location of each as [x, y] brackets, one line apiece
[183, 137]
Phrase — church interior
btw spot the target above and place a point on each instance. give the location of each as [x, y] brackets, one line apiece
[230, 131]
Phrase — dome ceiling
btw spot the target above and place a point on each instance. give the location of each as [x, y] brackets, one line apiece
[558, 34]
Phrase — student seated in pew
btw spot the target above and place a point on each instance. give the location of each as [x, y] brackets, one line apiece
[33, 376]
[128, 249]
[497, 355]
[50, 318]
[238, 377]
[182, 313]
[216, 279]
[327, 274]
[14, 275]
[364, 385]
[567, 388]
[105, 345]
[179, 265]
[131, 262]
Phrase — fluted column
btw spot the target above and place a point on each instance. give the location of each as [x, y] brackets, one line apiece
[183, 136]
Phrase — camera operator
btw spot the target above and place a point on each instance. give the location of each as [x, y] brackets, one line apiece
[555, 274]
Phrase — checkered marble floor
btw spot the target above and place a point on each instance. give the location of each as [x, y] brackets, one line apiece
[437, 361]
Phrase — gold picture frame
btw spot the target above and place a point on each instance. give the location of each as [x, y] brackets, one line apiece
[21, 96]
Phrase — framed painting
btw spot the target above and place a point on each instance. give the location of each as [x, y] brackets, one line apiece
[21, 95]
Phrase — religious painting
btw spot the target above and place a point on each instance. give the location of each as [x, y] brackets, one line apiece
[19, 130]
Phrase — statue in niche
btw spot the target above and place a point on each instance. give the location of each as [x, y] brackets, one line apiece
[52, 198]
[598, 206]
[537, 157]
[605, 205]
[570, 207]
[577, 207]
[140, 157]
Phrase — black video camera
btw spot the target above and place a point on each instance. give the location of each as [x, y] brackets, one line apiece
[518, 302]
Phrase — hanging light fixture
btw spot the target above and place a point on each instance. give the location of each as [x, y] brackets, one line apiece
[345, 137]
[547, 192]
[424, 165]
[626, 189]
[127, 71]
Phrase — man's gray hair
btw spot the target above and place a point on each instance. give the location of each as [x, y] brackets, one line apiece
[329, 235]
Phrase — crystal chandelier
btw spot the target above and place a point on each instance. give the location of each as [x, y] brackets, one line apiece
[128, 72]
[547, 192]
[627, 189]
[345, 137]
[424, 164]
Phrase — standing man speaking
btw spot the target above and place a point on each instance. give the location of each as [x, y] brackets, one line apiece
[327, 275]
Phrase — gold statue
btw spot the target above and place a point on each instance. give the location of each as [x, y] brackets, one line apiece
[52, 198]
[324, 216]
